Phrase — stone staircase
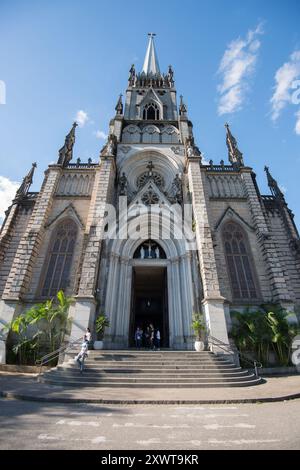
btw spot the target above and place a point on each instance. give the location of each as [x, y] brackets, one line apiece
[159, 369]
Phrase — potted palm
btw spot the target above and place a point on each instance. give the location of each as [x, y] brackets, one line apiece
[101, 323]
[198, 326]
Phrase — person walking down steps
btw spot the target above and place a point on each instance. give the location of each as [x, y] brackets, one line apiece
[83, 354]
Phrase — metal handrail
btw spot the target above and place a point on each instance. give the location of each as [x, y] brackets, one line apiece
[226, 347]
[54, 354]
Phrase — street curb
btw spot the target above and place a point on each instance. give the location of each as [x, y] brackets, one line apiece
[32, 398]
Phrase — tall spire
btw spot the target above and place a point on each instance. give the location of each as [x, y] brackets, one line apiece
[234, 154]
[26, 183]
[66, 152]
[151, 66]
[273, 185]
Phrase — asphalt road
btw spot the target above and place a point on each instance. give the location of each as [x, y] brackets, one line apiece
[31, 425]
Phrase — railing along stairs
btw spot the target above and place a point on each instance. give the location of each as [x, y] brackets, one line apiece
[227, 348]
[54, 354]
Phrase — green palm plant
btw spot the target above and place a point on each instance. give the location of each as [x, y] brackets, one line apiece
[51, 321]
[263, 330]
[198, 325]
[283, 331]
[102, 322]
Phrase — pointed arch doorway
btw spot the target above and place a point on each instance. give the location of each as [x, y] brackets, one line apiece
[149, 298]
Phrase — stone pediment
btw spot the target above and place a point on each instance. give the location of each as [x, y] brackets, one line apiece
[148, 195]
[70, 211]
[231, 214]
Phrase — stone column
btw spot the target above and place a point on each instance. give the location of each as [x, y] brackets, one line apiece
[187, 304]
[213, 302]
[110, 297]
[177, 310]
[122, 329]
[102, 194]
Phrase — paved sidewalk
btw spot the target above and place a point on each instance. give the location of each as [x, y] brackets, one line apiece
[26, 387]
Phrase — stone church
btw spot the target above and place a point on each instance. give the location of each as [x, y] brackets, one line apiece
[110, 233]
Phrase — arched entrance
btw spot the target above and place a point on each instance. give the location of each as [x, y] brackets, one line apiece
[131, 271]
[149, 301]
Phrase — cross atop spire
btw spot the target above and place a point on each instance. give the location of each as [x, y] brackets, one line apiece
[151, 66]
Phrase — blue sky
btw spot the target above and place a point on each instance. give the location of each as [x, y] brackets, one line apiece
[234, 61]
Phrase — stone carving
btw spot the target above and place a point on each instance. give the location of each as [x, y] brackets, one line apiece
[26, 183]
[225, 186]
[132, 75]
[182, 107]
[125, 149]
[109, 149]
[170, 75]
[156, 177]
[79, 184]
[123, 185]
[66, 152]
[150, 197]
[177, 150]
[176, 190]
[191, 149]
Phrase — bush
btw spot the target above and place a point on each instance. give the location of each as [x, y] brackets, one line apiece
[262, 331]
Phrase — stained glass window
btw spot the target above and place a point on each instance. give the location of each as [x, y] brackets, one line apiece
[60, 258]
[238, 259]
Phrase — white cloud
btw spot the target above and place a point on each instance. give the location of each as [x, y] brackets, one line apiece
[297, 126]
[284, 88]
[236, 67]
[101, 135]
[81, 118]
[8, 191]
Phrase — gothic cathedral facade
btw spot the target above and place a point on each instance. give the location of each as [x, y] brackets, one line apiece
[110, 234]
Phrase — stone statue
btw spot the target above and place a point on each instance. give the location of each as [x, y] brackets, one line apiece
[123, 185]
[132, 75]
[189, 148]
[157, 252]
[26, 183]
[176, 189]
[142, 253]
[170, 75]
[66, 152]
[109, 148]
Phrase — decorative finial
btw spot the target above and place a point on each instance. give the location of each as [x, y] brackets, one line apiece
[66, 152]
[26, 183]
[234, 154]
[182, 107]
[119, 106]
[273, 185]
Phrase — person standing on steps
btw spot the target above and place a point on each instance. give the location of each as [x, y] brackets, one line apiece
[157, 339]
[152, 342]
[88, 337]
[138, 337]
[80, 358]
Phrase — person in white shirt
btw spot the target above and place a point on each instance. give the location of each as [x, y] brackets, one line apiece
[157, 338]
[87, 337]
[80, 358]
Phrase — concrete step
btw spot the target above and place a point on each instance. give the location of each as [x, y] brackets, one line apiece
[197, 384]
[139, 374]
[151, 369]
